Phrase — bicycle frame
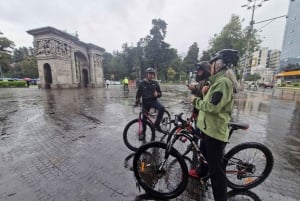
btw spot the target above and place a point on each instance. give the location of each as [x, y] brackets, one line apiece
[187, 131]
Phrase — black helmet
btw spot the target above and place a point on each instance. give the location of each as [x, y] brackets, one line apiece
[229, 56]
[150, 70]
[205, 67]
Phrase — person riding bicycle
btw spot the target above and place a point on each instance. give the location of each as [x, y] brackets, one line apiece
[214, 114]
[149, 91]
[125, 82]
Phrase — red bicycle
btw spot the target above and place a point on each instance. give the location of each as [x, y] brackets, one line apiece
[141, 130]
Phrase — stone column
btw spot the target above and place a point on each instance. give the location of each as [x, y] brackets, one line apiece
[92, 68]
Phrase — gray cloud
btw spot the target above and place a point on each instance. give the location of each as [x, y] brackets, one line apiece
[110, 23]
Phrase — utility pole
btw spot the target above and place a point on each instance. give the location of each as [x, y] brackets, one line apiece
[252, 4]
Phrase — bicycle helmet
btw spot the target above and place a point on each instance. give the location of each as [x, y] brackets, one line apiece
[228, 56]
[150, 70]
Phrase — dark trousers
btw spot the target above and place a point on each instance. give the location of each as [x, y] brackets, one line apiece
[213, 150]
[157, 105]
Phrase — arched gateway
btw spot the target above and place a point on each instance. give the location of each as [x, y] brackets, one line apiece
[66, 62]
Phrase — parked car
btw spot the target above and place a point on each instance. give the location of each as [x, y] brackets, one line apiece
[268, 85]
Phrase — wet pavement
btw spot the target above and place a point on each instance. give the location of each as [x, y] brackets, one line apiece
[68, 145]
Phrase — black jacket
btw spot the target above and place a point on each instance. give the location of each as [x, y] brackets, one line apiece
[146, 91]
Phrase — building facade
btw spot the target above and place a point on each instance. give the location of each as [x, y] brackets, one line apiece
[290, 55]
[66, 62]
[264, 62]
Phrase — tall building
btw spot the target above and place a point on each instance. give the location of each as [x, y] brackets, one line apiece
[290, 54]
[264, 62]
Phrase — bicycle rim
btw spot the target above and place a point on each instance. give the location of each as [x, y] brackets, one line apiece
[166, 121]
[248, 165]
[161, 178]
[132, 132]
[182, 144]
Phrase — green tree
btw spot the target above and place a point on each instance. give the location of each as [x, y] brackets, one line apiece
[191, 58]
[6, 46]
[233, 37]
[20, 54]
[253, 77]
[156, 49]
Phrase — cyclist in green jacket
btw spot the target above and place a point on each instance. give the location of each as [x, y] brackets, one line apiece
[214, 115]
[125, 82]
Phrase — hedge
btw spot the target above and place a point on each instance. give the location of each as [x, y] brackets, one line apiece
[8, 84]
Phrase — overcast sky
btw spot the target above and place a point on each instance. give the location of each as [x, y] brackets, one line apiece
[110, 23]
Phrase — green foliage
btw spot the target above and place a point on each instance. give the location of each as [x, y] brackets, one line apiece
[283, 84]
[296, 84]
[6, 46]
[27, 67]
[191, 58]
[233, 37]
[171, 73]
[20, 54]
[7, 84]
[253, 77]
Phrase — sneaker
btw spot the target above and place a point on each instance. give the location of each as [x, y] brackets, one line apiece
[142, 137]
[193, 173]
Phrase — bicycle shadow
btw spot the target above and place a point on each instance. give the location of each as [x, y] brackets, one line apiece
[195, 190]
[233, 195]
[126, 161]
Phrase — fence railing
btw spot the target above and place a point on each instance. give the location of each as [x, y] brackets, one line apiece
[286, 94]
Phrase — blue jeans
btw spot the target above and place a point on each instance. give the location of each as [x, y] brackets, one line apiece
[157, 105]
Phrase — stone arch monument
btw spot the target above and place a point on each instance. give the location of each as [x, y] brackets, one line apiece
[64, 61]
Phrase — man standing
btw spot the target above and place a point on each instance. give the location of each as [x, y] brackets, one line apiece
[214, 115]
[149, 91]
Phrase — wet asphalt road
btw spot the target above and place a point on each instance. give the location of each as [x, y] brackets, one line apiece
[67, 144]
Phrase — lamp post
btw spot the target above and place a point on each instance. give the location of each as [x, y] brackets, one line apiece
[252, 4]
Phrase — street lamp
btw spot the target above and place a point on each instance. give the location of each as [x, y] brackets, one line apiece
[252, 4]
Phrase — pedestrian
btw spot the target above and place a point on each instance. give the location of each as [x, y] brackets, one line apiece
[27, 83]
[107, 82]
[214, 115]
[149, 90]
[202, 75]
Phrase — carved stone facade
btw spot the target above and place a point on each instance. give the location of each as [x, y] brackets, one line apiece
[66, 62]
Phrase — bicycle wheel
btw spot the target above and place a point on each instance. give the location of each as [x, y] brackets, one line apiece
[242, 195]
[165, 123]
[182, 144]
[161, 176]
[248, 165]
[133, 130]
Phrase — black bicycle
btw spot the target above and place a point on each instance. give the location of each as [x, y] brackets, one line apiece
[162, 172]
[139, 131]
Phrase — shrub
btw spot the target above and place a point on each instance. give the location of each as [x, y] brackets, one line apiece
[296, 84]
[6, 84]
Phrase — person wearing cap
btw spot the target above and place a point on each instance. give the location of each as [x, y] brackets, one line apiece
[149, 90]
[214, 115]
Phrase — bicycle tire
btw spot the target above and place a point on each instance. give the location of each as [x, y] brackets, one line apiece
[242, 195]
[131, 132]
[182, 145]
[243, 172]
[165, 123]
[146, 167]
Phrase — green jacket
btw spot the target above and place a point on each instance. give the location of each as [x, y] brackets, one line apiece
[215, 108]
